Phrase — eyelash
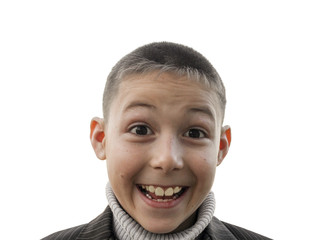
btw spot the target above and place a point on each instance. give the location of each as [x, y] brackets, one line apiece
[133, 130]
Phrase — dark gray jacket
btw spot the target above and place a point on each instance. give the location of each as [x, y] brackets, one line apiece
[101, 229]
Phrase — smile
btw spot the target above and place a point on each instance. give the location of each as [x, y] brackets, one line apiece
[162, 194]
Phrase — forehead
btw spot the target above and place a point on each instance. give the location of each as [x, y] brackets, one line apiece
[162, 89]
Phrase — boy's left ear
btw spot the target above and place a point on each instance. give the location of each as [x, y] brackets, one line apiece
[225, 141]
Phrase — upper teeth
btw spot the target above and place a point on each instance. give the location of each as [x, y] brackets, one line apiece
[158, 191]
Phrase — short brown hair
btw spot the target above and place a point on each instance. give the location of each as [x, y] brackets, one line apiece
[163, 57]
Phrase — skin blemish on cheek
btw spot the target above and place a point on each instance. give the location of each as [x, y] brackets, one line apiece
[203, 158]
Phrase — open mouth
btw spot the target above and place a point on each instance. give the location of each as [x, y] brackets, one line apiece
[162, 194]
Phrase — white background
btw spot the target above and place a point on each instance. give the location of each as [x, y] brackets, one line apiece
[55, 57]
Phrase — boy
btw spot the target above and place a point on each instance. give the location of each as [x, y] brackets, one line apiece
[162, 138]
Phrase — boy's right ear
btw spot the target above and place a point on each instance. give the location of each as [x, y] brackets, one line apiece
[97, 137]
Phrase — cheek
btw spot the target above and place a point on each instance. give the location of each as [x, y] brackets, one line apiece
[204, 167]
[205, 170]
[123, 162]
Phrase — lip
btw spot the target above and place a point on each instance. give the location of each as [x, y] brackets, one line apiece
[162, 186]
[170, 204]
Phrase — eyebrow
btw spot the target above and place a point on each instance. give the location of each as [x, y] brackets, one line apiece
[138, 104]
[204, 110]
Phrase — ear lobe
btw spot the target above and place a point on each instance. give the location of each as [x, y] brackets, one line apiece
[97, 137]
[225, 141]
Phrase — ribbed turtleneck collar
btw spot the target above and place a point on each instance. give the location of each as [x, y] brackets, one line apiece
[125, 227]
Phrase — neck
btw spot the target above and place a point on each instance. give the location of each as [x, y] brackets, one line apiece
[127, 228]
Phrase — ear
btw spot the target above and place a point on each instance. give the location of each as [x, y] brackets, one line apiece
[225, 141]
[97, 137]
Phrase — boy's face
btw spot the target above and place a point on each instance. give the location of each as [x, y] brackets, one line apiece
[163, 134]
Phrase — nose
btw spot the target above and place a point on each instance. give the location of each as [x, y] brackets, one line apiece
[167, 155]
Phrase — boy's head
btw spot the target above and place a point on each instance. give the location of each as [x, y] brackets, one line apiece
[162, 134]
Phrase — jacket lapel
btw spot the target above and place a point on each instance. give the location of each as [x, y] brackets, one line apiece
[216, 230]
[100, 228]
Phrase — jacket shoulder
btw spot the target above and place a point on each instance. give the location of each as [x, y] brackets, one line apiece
[98, 228]
[67, 234]
[244, 234]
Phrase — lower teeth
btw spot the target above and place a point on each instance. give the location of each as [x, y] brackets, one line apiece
[159, 199]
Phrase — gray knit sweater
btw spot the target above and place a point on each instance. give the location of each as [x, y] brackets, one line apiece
[126, 228]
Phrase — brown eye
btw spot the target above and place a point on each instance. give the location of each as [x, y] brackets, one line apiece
[195, 133]
[141, 130]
